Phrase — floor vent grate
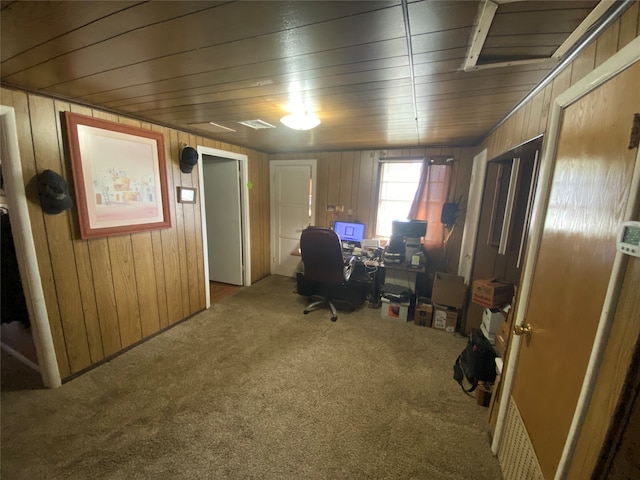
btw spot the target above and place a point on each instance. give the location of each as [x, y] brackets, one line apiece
[516, 455]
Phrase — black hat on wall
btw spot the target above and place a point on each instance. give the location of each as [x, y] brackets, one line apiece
[54, 193]
[188, 159]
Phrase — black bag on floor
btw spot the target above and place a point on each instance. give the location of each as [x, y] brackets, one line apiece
[476, 362]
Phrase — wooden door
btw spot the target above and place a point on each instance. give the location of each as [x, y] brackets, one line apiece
[588, 196]
[292, 210]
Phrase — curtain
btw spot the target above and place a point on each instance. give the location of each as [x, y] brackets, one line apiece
[427, 205]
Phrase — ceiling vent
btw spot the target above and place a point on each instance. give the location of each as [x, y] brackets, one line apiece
[211, 127]
[256, 124]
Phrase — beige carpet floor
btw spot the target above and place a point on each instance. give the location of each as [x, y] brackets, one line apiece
[254, 389]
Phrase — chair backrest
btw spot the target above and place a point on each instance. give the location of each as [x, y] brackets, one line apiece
[321, 252]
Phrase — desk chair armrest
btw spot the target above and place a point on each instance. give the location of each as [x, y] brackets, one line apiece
[349, 265]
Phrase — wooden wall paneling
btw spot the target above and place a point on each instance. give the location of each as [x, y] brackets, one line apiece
[144, 268]
[170, 244]
[161, 287]
[145, 274]
[526, 114]
[179, 225]
[508, 139]
[81, 252]
[346, 183]
[58, 234]
[546, 108]
[158, 271]
[125, 288]
[628, 25]
[20, 102]
[518, 121]
[105, 296]
[186, 180]
[153, 266]
[607, 43]
[367, 181]
[353, 197]
[322, 191]
[534, 115]
[500, 134]
[102, 276]
[584, 63]
[333, 188]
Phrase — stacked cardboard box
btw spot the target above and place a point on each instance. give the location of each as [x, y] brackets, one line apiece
[423, 312]
[446, 318]
[491, 293]
[448, 296]
[394, 310]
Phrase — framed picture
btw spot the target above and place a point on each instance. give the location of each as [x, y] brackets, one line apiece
[186, 195]
[120, 177]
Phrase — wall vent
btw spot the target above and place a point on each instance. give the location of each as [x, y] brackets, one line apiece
[516, 455]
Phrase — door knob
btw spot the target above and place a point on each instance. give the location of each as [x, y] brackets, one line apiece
[524, 329]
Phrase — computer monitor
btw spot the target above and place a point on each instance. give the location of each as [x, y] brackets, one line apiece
[350, 232]
[409, 228]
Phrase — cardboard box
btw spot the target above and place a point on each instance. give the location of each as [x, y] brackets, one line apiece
[423, 313]
[445, 318]
[491, 293]
[449, 290]
[394, 310]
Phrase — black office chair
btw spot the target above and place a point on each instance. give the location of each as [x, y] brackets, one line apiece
[325, 265]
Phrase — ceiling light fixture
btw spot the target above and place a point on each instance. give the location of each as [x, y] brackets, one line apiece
[300, 121]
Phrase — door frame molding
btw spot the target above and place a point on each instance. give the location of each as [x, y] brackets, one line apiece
[313, 163]
[26, 251]
[243, 161]
[472, 219]
[621, 60]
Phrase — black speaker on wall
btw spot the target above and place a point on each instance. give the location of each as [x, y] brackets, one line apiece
[448, 216]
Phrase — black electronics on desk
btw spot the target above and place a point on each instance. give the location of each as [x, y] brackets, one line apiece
[405, 240]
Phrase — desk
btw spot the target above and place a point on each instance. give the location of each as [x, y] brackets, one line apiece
[376, 272]
[380, 273]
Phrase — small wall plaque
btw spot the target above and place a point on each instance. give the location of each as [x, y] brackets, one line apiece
[186, 195]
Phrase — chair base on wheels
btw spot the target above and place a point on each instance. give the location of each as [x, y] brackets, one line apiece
[318, 301]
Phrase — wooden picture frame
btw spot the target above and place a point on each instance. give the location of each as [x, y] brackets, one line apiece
[186, 195]
[120, 177]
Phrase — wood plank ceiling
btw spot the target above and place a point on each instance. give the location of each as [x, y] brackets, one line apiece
[379, 74]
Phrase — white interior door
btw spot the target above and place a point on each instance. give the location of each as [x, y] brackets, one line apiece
[292, 210]
[223, 213]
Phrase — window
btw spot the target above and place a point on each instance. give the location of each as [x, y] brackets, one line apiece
[398, 185]
[399, 182]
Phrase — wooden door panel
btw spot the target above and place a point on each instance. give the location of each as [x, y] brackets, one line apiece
[588, 195]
